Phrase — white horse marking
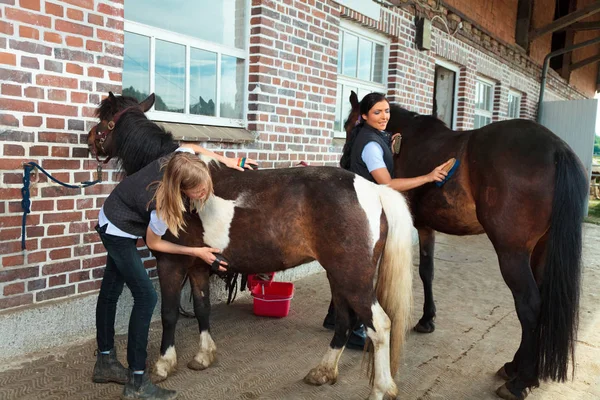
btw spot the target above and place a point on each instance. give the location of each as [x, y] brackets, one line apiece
[327, 370]
[166, 363]
[384, 382]
[368, 197]
[207, 353]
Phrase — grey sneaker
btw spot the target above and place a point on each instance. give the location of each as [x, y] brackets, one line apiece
[141, 387]
[109, 369]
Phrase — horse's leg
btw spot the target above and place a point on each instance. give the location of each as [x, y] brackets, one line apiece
[517, 273]
[327, 370]
[509, 370]
[171, 273]
[207, 352]
[426, 249]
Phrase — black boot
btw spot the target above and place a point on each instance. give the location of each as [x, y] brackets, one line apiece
[357, 338]
[109, 369]
[141, 387]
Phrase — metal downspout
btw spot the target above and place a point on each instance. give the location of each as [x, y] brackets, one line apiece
[547, 63]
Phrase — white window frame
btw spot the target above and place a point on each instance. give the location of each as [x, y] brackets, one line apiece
[155, 33]
[519, 96]
[360, 84]
[481, 112]
[456, 69]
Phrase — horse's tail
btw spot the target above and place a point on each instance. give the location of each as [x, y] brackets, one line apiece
[559, 314]
[394, 280]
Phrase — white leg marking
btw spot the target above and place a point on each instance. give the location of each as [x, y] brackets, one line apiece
[368, 197]
[166, 363]
[384, 382]
[327, 370]
[207, 352]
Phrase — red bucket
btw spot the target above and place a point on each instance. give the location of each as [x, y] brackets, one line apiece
[255, 279]
[273, 300]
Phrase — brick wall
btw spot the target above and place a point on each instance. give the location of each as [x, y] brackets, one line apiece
[57, 58]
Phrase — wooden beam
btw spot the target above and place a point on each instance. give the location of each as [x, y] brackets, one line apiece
[524, 11]
[567, 20]
[585, 26]
[565, 70]
[585, 62]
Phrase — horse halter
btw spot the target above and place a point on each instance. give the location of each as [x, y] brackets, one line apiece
[103, 129]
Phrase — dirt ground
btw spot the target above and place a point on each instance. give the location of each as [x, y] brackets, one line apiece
[262, 358]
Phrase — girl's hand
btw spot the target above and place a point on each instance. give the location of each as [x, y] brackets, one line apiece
[206, 254]
[240, 163]
[438, 174]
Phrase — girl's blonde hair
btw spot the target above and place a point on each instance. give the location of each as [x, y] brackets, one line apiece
[183, 171]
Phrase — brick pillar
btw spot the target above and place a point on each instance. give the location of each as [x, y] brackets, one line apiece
[466, 95]
[293, 78]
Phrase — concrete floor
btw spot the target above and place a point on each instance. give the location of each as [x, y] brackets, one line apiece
[262, 358]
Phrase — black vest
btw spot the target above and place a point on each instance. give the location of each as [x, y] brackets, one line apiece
[366, 135]
[127, 205]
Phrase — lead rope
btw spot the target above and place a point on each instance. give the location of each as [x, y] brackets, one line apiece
[25, 193]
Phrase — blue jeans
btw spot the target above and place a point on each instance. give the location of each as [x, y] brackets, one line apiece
[124, 266]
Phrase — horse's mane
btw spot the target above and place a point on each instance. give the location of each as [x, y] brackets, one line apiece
[432, 121]
[112, 105]
[139, 141]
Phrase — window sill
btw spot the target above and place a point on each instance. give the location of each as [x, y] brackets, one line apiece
[206, 133]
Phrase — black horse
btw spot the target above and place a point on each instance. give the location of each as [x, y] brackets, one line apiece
[525, 188]
[271, 220]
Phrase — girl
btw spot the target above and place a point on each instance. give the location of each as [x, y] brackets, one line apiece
[368, 154]
[137, 208]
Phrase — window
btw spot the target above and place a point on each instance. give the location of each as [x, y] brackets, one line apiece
[194, 59]
[514, 104]
[361, 67]
[484, 91]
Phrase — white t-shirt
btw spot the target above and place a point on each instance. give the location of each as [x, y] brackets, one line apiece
[157, 225]
[372, 156]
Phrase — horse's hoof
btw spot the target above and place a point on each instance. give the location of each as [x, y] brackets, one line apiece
[427, 327]
[158, 378]
[503, 374]
[319, 376]
[197, 366]
[505, 393]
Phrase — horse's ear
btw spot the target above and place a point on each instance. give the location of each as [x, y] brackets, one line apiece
[111, 96]
[353, 99]
[148, 102]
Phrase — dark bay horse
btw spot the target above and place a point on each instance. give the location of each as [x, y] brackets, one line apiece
[525, 188]
[272, 220]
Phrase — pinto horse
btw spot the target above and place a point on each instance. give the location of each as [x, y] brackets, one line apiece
[525, 188]
[272, 220]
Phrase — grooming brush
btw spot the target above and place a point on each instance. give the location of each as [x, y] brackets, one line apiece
[450, 169]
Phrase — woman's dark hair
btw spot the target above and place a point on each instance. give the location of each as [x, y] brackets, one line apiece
[364, 107]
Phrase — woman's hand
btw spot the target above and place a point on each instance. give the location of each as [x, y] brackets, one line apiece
[206, 254]
[438, 174]
[240, 163]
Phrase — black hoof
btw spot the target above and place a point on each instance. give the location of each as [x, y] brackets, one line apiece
[505, 393]
[506, 372]
[425, 327]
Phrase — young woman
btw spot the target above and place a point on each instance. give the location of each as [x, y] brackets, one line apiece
[145, 204]
[368, 153]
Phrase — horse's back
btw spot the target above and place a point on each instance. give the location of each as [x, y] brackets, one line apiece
[512, 172]
[281, 218]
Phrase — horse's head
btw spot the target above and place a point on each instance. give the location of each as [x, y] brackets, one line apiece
[353, 117]
[100, 137]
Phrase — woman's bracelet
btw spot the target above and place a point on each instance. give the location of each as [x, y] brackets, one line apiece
[241, 162]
